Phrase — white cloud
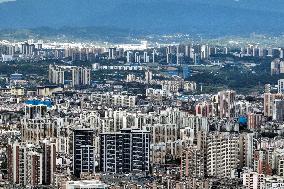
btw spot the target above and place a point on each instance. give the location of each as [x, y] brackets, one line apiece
[3, 1]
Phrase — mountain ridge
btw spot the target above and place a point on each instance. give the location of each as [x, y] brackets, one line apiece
[217, 18]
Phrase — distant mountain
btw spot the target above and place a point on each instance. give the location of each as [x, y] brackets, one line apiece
[208, 17]
[109, 34]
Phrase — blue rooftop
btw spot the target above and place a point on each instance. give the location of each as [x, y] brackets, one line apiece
[47, 103]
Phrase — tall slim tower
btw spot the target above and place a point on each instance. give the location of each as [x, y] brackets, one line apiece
[83, 151]
[153, 58]
[75, 76]
[178, 55]
[148, 76]
[128, 56]
[85, 76]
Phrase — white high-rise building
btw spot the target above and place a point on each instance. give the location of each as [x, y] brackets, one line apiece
[222, 154]
[137, 57]
[148, 76]
[153, 54]
[146, 58]
[111, 53]
[128, 56]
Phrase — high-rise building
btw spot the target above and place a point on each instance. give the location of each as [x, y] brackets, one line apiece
[222, 154]
[127, 151]
[262, 161]
[187, 51]
[137, 57]
[252, 180]
[178, 56]
[35, 111]
[196, 58]
[153, 54]
[255, 52]
[24, 48]
[148, 76]
[31, 164]
[192, 162]
[49, 161]
[280, 86]
[191, 52]
[277, 67]
[39, 46]
[169, 58]
[31, 49]
[85, 78]
[204, 109]
[27, 49]
[83, 151]
[204, 51]
[267, 88]
[269, 99]
[225, 50]
[75, 76]
[254, 120]
[225, 101]
[146, 58]
[247, 146]
[111, 53]
[215, 154]
[79, 75]
[281, 53]
[128, 56]
[278, 161]
[55, 75]
[278, 110]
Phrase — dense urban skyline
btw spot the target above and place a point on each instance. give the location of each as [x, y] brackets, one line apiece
[141, 94]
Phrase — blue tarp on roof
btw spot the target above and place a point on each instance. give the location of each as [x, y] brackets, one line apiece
[243, 120]
[48, 103]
